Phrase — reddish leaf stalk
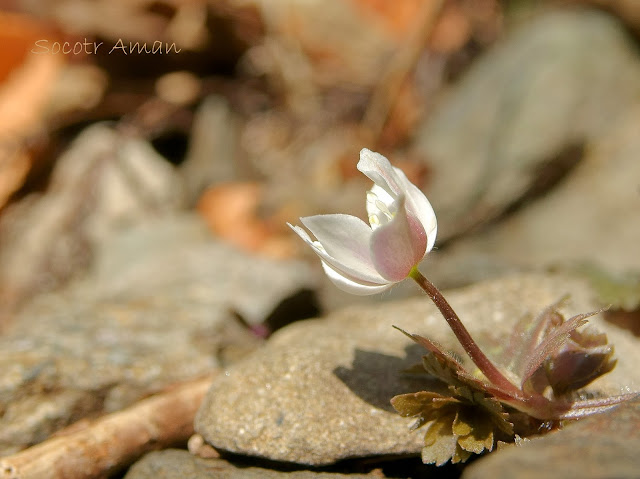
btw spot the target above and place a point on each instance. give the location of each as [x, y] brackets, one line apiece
[485, 365]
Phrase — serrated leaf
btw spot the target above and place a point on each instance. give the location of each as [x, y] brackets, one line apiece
[462, 392]
[497, 414]
[527, 334]
[418, 423]
[476, 445]
[553, 342]
[440, 368]
[460, 427]
[439, 442]
[460, 455]
[413, 404]
[435, 349]
[480, 431]
[448, 369]
[443, 401]
[439, 428]
[589, 337]
[451, 372]
[552, 359]
[440, 452]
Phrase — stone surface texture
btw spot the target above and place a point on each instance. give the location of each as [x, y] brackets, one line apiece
[158, 308]
[173, 464]
[602, 446]
[552, 84]
[319, 391]
[106, 180]
[591, 218]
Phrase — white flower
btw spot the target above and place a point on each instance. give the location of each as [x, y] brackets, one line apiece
[362, 259]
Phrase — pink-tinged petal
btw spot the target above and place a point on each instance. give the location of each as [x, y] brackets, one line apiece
[379, 170]
[399, 245]
[393, 180]
[418, 205]
[345, 280]
[353, 287]
[346, 240]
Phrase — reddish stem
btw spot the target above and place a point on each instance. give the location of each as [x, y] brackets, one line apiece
[485, 365]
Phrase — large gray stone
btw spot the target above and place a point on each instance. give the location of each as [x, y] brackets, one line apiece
[599, 447]
[320, 389]
[106, 180]
[165, 256]
[158, 308]
[518, 115]
[591, 218]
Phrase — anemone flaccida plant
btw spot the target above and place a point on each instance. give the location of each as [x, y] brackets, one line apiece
[531, 388]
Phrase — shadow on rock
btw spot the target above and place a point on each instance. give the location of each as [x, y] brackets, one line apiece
[376, 378]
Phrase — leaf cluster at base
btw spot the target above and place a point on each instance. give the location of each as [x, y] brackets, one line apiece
[548, 359]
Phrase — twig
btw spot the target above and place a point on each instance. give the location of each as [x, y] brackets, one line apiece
[402, 63]
[114, 441]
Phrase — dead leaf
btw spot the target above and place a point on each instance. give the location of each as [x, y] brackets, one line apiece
[396, 17]
[26, 81]
[452, 31]
[231, 212]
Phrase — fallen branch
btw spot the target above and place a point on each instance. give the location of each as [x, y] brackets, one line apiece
[114, 441]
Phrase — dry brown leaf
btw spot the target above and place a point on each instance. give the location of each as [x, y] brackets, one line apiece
[452, 31]
[231, 212]
[26, 81]
[396, 17]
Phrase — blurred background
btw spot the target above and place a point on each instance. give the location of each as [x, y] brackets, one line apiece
[518, 118]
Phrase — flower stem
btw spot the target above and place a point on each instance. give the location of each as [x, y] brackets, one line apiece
[485, 365]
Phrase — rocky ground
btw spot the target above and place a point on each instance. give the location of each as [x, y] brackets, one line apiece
[119, 291]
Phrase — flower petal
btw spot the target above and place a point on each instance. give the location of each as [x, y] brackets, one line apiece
[353, 287]
[344, 241]
[399, 245]
[418, 205]
[379, 170]
[393, 181]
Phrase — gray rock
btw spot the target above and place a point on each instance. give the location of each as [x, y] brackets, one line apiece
[165, 255]
[515, 118]
[173, 463]
[158, 308]
[319, 391]
[599, 447]
[591, 218]
[212, 153]
[107, 179]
